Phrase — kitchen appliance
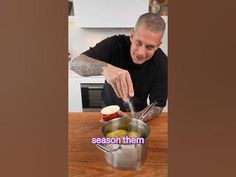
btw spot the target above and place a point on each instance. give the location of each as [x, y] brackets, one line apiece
[91, 96]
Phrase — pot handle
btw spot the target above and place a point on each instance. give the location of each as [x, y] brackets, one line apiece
[102, 148]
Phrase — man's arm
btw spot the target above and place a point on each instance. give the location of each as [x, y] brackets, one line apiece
[87, 66]
[153, 113]
[118, 78]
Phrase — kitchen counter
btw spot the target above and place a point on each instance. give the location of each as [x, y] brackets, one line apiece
[86, 160]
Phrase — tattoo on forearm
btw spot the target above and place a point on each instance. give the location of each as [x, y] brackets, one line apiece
[87, 66]
[154, 113]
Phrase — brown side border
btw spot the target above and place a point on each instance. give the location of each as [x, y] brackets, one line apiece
[202, 88]
[33, 94]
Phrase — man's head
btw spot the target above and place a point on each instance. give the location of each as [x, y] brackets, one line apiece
[146, 37]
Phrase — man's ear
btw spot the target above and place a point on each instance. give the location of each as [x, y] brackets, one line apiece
[131, 35]
[159, 44]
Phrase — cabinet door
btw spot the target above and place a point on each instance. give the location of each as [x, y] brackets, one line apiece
[74, 95]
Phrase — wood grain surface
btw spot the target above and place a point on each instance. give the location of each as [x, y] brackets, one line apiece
[86, 160]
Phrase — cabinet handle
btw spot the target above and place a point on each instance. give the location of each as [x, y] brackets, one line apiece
[94, 88]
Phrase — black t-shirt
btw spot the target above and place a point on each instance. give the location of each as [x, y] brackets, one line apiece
[149, 79]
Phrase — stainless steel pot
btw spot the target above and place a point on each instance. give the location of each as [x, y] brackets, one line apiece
[125, 156]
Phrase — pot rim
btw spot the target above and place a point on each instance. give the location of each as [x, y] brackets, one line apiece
[126, 117]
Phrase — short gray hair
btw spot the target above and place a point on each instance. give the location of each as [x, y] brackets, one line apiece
[152, 21]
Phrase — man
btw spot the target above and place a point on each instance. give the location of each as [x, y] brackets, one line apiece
[134, 66]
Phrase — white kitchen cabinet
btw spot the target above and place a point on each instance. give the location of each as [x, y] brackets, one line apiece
[74, 95]
[109, 13]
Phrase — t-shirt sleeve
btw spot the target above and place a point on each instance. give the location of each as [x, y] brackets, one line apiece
[159, 88]
[102, 50]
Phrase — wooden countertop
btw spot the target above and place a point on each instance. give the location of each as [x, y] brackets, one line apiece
[88, 161]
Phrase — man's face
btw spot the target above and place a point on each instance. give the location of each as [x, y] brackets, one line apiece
[143, 44]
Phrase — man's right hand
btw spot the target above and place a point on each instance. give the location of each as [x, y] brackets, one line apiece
[120, 81]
